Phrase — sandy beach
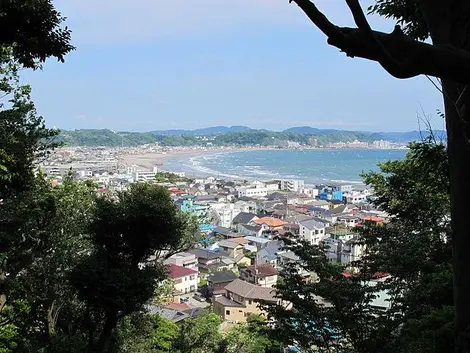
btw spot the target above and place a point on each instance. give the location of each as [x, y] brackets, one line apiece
[158, 159]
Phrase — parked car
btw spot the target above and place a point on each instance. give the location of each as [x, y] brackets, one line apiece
[184, 300]
[199, 297]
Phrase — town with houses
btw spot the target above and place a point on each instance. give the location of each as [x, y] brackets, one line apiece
[242, 255]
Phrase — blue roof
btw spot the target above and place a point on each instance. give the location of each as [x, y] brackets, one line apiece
[204, 227]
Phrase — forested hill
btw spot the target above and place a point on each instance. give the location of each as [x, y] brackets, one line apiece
[250, 137]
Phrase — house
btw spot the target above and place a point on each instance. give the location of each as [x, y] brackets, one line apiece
[263, 275]
[241, 300]
[348, 220]
[321, 203]
[225, 233]
[344, 250]
[268, 253]
[231, 248]
[257, 242]
[217, 282]
[252, 230]
[185, 279]
[184, 259]
[271, 223]
[320, 212]
[243, 218]
[210, 261]
[312, 231]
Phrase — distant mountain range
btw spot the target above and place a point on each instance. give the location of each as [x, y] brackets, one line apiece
[398, 137]
[234, 136]
[208, 131]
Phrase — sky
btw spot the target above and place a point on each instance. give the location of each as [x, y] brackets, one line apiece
[146, 65]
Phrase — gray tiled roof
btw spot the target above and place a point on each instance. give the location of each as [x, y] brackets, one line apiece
[312, 224]
[227, 302]
[243, 217]
[250, 291]
[222, 277]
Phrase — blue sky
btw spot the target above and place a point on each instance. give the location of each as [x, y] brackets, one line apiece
[146, 65]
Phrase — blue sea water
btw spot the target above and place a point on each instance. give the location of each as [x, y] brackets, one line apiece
[313, 166]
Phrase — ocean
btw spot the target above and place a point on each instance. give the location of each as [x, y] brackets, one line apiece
[313, 166]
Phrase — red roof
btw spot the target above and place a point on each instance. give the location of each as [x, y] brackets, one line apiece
[345, 274]
[180, 271]
[178, 306]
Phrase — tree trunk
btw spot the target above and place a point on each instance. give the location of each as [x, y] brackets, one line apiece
[105, 336]
[457, 111]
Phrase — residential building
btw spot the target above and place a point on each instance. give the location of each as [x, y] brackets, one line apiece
[348, 220]
[254, 192]
[210, 261]
[217, 281]
[272, 185]
[185, 279]
[312, 231]
[188, 205]
[271, 223]
[293, 185]
[252, 230]
[225, 233]
[267, 254]
[241, 299]
[231, 248]
[343, 249]
[226, 212]
[145, 175]
[243, 218]
[184, 259]
[263, 275]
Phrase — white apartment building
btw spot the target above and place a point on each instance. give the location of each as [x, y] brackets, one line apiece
[144, 175]
[293, 185]
[226, 212]
[312, 231]
[311, 192]
[356, 196]
[253, 192]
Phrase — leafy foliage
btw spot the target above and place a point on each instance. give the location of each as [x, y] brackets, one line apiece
[406, 13]
[116, 279]
[32, 29]
[23, 135]
[199, 335]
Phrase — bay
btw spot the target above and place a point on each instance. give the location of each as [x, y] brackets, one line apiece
[313, 165]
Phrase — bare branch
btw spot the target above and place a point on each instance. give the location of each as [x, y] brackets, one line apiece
[414, 58]
[318, 18]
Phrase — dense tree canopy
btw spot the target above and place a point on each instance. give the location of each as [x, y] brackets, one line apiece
[32, 30]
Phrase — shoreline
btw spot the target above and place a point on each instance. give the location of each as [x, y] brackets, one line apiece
[171, 161]
[159, 159]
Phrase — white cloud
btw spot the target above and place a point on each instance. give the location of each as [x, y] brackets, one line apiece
[104, 21]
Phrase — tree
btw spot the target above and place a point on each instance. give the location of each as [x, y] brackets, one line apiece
[42, 238]
[199, 335]
[144, 333]
[117, 278]
[403, 53]
[32, 29]
[414, 248]
[24, 138]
